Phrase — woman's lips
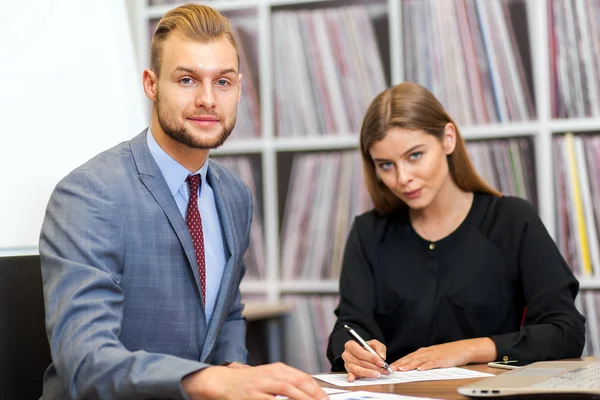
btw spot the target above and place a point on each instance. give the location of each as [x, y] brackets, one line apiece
[414, 194]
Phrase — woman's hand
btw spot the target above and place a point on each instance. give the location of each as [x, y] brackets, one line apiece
[445, 355]
[360, 363]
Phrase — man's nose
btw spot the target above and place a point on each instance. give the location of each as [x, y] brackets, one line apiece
[205, 97]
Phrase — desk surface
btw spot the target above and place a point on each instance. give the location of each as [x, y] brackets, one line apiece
[435, 389]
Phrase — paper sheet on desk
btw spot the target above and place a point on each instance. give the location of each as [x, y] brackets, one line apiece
[329, 391]
[337, 394]
[363, 395]
[439, 374]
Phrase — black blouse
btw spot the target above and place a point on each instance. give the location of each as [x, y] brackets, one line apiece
[409, 293]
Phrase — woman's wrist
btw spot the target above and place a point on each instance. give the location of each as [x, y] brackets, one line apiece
[482, 350]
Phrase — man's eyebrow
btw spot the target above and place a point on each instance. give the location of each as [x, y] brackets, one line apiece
[195, 71]
[228, 71]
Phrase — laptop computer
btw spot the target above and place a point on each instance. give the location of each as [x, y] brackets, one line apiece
[540, 378]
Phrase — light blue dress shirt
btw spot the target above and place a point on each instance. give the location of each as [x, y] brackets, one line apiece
[214, 243]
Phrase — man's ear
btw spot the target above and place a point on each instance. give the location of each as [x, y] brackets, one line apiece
[449, 140]
[149, 80]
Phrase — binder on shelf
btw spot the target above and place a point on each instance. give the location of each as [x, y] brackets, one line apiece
[578, 201]
[502, 164]
[578, 204]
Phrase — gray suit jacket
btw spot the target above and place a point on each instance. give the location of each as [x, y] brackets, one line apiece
[124, 311]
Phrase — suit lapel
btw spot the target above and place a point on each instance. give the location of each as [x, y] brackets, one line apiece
[223, 197]
[154, 181]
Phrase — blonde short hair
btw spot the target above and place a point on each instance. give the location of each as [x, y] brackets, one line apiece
[193, 21]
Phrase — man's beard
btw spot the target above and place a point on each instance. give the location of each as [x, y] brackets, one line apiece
[181, 135]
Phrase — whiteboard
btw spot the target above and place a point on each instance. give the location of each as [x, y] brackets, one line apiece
[69, 89]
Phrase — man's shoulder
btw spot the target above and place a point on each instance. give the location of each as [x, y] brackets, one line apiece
[110, 165]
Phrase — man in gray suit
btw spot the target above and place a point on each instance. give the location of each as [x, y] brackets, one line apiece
[142, 260]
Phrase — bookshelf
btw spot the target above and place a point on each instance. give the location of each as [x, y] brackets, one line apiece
[273, 151]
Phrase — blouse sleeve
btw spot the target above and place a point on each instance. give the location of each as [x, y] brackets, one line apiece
[357, 298]
[553, 328]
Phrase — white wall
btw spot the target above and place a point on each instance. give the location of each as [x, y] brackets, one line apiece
[69, 88]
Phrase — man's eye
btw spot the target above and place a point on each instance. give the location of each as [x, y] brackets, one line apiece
[222, 82]
[186, 81]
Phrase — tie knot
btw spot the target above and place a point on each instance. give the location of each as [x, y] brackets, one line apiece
[194, 182]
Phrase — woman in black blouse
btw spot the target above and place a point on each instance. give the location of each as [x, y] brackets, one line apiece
[445, 271]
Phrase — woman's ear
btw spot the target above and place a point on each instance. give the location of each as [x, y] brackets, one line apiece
[449, 141]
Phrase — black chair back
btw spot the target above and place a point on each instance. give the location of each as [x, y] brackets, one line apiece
[24, 350]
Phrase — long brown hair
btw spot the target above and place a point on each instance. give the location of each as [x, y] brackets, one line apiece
[193, 21]
[411, 106]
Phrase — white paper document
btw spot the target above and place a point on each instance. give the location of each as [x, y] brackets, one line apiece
[439, 374]
[362, 395]
[329, 391]
[338, 394]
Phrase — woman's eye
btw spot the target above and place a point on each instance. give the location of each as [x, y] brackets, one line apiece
[416, 155]
[385, 166]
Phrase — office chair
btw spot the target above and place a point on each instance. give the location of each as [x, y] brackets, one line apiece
[24, 350]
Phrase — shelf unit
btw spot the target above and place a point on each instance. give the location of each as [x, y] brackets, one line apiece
[269, 147]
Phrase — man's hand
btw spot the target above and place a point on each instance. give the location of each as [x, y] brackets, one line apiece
[360, 363]
[262, 382]
[445, 355]
[235, 365]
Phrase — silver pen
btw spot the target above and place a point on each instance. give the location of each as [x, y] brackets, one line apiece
[356, 337]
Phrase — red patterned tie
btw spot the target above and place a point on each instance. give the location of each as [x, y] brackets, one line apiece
[194, 224]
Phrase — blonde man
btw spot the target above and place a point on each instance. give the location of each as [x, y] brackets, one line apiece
[142, 247]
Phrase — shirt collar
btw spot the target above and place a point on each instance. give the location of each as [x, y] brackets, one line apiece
[174, 173]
